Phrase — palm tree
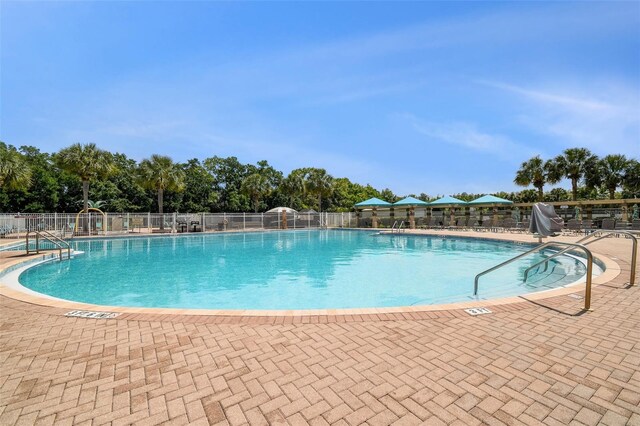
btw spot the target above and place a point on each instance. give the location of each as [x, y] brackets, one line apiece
[256, 187]
[88, 163]
[610, 172]
[320, 184]
[631, 181]
[573, 164]
[160, 173]
[293, 186]
[98, 205]
[15, 173]
[534, 172]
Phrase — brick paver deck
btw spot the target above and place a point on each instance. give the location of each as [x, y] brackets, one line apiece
[544, 362]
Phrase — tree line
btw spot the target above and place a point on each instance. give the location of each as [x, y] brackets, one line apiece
[67, 181]
[580, 166]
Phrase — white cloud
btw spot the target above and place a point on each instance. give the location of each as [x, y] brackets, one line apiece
[469, 136]
[605, 118]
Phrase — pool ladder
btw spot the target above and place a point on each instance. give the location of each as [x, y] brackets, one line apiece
[587, 298]
[572, 246]
[602, 234]
[60, 244]
[400, 228]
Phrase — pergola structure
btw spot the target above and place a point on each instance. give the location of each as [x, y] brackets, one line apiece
[411, 203]
[451, 203]
[374, 203]
[490, 201]
[628, 207]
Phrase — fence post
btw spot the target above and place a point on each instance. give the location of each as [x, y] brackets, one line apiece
[149, 222]
[203, 223]
[262, 219]
[244, 221]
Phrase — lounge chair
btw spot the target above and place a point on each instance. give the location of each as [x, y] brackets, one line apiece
[509, 224]
[434, 223]
[622, 226]
[485, 226]
[461, 223]
[587, 226]
[573, 226]
[608, 223]
[497, 225]
[466, 223]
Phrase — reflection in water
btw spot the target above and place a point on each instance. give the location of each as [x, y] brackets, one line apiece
[290, 270]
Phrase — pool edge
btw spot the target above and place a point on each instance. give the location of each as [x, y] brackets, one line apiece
[612, 271]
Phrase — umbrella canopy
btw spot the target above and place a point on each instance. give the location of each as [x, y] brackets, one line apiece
[410, 201]
[490, 199]
[373, 202]
[447, 201]
[279, 209]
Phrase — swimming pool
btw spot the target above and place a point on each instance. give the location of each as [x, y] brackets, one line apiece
[320, 269]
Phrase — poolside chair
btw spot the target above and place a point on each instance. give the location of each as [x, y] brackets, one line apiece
[466, 223]
[587, 226]
[461, 223]
[497, 225]
[520, 227]
[509, 224]
[434, 223]
[573, 226]
[623, 226]
[608, 223]
[484, 226]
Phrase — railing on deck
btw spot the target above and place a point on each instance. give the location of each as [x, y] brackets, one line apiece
[46, 236]
[64, 224]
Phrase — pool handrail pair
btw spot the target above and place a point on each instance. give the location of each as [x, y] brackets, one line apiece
[399, 229]
[587, 296]
[604, 233]
[58, 242]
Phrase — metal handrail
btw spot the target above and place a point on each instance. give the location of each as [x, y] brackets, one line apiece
[607, 233]
[587, 298]
[53, 239]
[400, 227]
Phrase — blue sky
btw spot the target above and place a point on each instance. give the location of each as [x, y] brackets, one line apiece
[435, 97]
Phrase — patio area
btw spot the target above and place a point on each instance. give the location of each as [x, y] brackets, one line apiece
[530, 362]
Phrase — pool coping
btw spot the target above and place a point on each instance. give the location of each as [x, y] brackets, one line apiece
[612, 270]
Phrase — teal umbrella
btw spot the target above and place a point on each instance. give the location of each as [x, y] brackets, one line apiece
[447, 201]
[410, 201]
[490, 199]
[373, 202]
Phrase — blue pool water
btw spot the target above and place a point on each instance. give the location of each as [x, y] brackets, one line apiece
[291, 270]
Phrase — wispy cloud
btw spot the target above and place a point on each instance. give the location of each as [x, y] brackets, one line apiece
[468, 135]
[553, 22]
[605, 119]
[562, 100]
